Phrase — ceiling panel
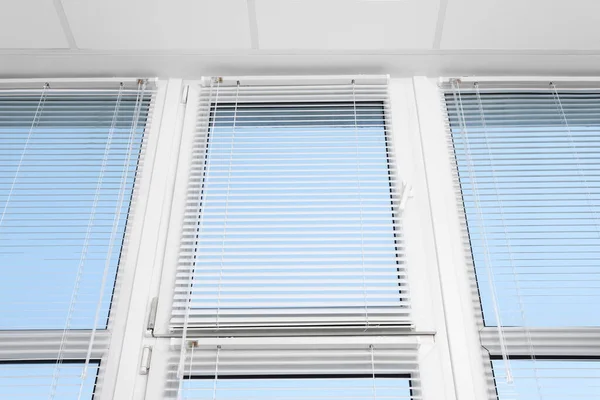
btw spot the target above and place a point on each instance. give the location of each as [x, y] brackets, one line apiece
[346, 24]
[522, 24]
[27, 24]
[159, 24]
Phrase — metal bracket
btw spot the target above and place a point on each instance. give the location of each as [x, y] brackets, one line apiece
[152, 314]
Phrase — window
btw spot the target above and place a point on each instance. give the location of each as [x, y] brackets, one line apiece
[292, 216]
[290, 265]
[351, 387]
[528, 166]
[69, 159]
[255, 242]
[528, 157]
[47, 380]
[300, 372]
[549, 379]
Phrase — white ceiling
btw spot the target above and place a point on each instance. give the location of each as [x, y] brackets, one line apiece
[31, 24]
[346, 25]
[158, 24]
[522, 24]
[190, 38]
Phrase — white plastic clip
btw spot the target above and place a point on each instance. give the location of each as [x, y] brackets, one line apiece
[406, 194]
[145, 361]
[184, 94]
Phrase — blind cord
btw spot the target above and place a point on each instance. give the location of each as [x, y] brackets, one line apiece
[85, 249]
[216, 374]
[116, 220]
[563, 115]
[197, 225]
[507, 237]
[487, 257]
[374, 391]
[222, 266]
[34, 123]
[191, 364]
[358, 186]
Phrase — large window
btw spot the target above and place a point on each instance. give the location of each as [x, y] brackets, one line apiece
[528, 165]
[68, 163]
[350, 387]
[548, 379]
[302, 371]
[292, 215]
[47, 381]
[291, 245]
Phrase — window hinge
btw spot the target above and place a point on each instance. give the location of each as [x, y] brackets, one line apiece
[184, 94]
[145, 361]
[152, 314]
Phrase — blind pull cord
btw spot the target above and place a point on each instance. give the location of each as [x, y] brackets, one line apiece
[362, 234]
[486, 251]
[32, 128]
[216, 374]
[230, 168]
[85, 250]
[374, 390]
[198, 222]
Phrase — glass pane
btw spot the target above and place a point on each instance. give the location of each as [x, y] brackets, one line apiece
[47, 381]
[296, 213]
[532, 201]
[297, 389]
[66, 180]
[548, 380]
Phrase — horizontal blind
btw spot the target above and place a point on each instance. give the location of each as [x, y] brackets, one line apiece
[35, 345]
[68, 161]
[296, 372]
[31, 381]
[549, 380]
[292, 216]
[528, 160]
[69, 158]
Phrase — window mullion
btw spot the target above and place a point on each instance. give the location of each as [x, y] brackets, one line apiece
[140, 262]
[467, 364]
[164, 285]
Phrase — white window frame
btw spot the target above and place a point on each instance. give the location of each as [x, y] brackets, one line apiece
[107, 342]
[521, 341]
[165, 294]
[132, 352]
[445, 329]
